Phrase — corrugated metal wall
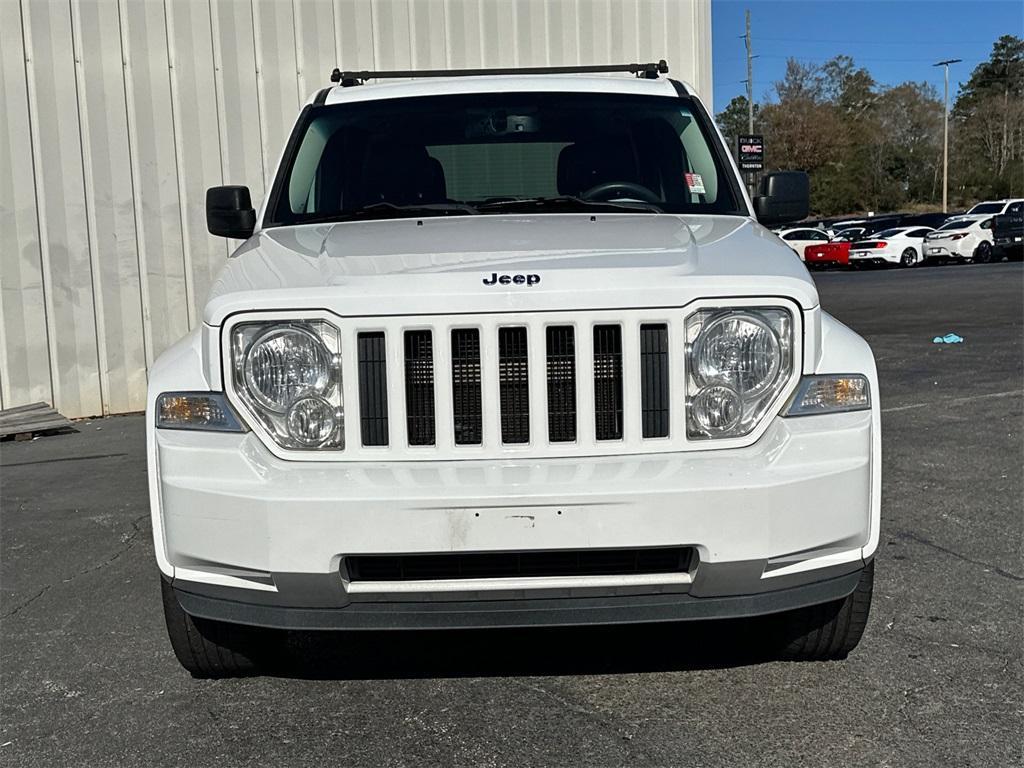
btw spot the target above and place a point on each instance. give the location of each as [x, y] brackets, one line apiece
[118, 114]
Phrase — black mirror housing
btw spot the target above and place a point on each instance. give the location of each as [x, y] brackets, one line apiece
[785, 197]
[229, 212]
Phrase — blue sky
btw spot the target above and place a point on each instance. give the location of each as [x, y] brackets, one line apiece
[896, 40]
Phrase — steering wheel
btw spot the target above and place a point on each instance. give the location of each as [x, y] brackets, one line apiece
[609, 190]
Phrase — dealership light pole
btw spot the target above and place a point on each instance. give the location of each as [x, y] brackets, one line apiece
[945, 133]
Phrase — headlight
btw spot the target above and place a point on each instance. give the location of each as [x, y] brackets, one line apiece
[285, 362]
[738, 361]
[289, 375]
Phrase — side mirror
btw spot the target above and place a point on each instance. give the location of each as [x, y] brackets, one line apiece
[229, 212]
[785, 197]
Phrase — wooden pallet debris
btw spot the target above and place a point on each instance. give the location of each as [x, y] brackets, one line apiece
[27, 421]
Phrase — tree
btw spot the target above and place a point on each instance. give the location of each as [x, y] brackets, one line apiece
[733, 121]
[987, 124]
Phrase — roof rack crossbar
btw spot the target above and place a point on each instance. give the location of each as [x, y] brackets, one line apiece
[650, 70]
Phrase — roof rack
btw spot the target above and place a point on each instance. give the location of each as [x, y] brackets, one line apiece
[649, 71]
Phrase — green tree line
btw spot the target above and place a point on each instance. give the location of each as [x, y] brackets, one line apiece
[873, 148]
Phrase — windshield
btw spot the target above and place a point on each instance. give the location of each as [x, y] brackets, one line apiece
[986, 208]
[889, 233]
[962, 224]
[501, 153]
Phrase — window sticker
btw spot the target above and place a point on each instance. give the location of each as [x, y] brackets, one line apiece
[695, 184]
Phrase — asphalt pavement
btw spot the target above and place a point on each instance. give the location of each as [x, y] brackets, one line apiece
[87, 677]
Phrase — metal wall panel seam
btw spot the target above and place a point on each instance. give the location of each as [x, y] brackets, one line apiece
[4, 394]
[336, 23]
[218, 89]
[257, 46]
[300, 78]
[447, 40]
[374, 34]
[102, 358]
[179, 165]
[133, 164]
[37, 172]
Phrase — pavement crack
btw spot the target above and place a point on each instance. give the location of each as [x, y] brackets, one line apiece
[623, 735]
[909, 536]
[28, 602]
[126, 544]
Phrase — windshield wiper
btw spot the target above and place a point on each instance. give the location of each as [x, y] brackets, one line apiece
[567, 203]
[385, 210]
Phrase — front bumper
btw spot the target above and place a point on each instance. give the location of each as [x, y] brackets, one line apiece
[522, 612]
[249, 537]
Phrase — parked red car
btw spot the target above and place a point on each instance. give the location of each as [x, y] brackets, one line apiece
[827, 254]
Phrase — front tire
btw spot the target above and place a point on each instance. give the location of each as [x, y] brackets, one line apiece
[828, 631]
[213, 648]
[908, 258]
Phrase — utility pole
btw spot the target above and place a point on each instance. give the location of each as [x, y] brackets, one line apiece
[750, 80]
[945, 133]
[750, 96]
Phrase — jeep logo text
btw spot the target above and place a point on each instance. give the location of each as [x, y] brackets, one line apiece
[495, 278]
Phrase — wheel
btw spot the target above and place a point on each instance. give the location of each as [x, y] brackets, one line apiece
[983, 253]
[828, 631]
[908, 258]
[213, 648]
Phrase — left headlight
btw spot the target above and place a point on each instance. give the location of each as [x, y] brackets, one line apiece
[738, 361]
[289, 375]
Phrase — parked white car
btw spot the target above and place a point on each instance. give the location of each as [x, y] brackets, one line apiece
[991, 208]
[963, 239]
[584, 386]
[902, 246]
[800, 238]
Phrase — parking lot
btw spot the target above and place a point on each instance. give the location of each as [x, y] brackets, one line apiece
[88, 677]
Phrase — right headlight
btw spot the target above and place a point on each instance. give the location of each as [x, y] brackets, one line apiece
[289, 375]
[738, 361]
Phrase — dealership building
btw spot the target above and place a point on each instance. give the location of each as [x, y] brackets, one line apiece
[118, 116]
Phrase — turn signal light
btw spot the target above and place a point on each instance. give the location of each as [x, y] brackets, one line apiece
[830, 394]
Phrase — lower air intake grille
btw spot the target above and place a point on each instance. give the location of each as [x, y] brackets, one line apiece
[419, 387]
[495, 565]
[654, 380]
[561, 364]
[514, 383]
[608, 382]
[373, 388]
[467, 412]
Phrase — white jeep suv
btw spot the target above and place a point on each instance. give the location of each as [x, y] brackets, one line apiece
[506, 349]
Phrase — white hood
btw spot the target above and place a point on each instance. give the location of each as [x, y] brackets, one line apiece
[440, 265]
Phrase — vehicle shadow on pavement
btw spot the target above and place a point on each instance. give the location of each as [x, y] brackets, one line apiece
[521, 652]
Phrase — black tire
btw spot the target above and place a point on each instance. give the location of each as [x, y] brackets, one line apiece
[213, 648]
[983, 253]
[908, 258]
[829, 631]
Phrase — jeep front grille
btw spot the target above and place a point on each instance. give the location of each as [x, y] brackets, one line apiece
[552, 354]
